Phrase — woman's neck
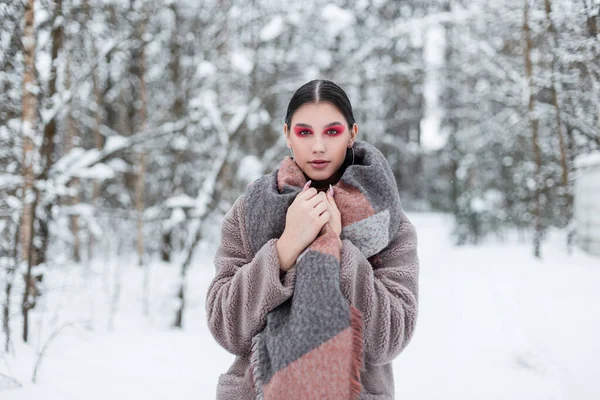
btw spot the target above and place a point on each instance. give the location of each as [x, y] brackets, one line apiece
[324, 184]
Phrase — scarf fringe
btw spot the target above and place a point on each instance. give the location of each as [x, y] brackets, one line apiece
[357, 359]
[357, 347]
[255, 373]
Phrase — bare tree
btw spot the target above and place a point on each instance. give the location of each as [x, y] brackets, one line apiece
[534, 132]
[70, 136]
[29, 118]
[555, 87]
[98, 138]
[141, 159]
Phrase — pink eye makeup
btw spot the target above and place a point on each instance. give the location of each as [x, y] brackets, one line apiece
[333, 130]
[299, 130]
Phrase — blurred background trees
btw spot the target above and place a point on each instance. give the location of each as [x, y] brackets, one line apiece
[132, 126]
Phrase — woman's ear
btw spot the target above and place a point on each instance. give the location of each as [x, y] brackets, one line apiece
[287, 136]
[353, 134]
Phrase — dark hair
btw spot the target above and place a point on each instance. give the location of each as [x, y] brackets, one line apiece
[319, 90]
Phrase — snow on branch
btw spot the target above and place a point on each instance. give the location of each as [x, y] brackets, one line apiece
[48, 115]
[205, 200]
[10, 181]
[408, 26]
[67, 167]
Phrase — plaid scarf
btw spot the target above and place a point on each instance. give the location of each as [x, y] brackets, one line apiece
[312, 346]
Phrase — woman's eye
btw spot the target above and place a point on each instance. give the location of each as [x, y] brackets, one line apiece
[303, 132]
[332, 132]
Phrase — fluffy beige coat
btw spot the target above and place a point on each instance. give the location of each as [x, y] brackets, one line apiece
[248, 286]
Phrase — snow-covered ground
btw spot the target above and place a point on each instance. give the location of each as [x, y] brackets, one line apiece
[494, 323]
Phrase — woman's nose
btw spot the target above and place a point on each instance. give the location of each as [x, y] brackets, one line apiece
[318, 146]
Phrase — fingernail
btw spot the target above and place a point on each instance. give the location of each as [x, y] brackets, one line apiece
[306, 185]
[330, 190]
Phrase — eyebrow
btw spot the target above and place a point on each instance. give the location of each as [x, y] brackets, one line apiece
[326, 126]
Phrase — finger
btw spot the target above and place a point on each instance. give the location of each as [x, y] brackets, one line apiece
[316, 199]
[331, 201]
[331, 207]
[324, 218]
[321, 207]
[334, 212]
[305, 187]
[330, 192]
[307, 194]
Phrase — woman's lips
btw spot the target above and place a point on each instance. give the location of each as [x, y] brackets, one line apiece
[319, 165]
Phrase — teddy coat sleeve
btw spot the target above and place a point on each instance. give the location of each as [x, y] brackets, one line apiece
[246, 287]
[385, 290]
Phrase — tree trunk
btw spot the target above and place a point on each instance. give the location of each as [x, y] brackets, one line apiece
[141, 121]
[534, 133]
[48, 145]
[177, 111]
[221, 168]
[6, 307]
[555, 88]
[139, 206]
[98, 138]
[592, 27]
[29, 130]
[10, 275]
[70, 136]
[48, 149]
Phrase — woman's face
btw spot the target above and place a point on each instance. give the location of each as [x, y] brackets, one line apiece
[319, 132]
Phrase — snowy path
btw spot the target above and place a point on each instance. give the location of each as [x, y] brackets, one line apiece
[493, 324]
[496, 324]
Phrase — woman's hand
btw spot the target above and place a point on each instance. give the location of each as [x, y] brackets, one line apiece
[305, 217]
[336, 217]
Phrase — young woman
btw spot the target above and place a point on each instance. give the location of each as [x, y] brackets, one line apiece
[316, 284]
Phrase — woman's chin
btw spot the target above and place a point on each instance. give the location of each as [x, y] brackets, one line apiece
[319, 175]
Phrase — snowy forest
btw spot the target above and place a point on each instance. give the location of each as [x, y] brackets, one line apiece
[129, 127]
